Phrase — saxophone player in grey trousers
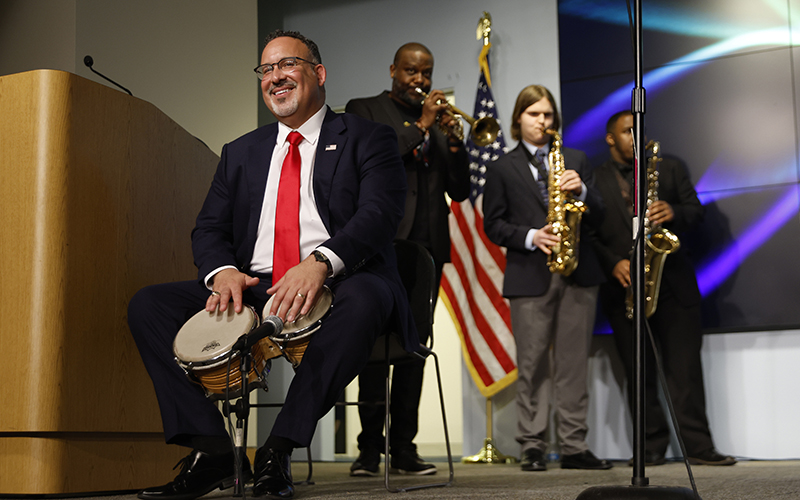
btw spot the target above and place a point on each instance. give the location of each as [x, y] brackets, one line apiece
[546, 309]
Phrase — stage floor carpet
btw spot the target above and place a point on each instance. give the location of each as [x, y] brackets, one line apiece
[753, 480]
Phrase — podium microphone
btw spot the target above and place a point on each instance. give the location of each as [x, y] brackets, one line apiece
[88, 61]
[271, 327]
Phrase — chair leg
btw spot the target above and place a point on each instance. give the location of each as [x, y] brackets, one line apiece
[446, 437]
[386, 422]
[308, 480]
[444, 417]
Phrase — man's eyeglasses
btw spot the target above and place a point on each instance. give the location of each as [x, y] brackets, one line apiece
[286, 64]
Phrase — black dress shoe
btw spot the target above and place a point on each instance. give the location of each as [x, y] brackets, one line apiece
[711, 457]
[366, 464]
[533, 459]
[200, 473]
[273, 474]
[584, 460]
[408, 462]
[651, 459]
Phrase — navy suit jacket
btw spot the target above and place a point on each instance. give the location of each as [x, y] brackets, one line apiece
[513, 204]
[359, 188]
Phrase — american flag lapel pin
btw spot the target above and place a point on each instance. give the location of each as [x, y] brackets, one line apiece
[330, 147]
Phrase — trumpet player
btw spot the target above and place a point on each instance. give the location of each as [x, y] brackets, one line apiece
[676, 322]
[436, 163]
[546, 309]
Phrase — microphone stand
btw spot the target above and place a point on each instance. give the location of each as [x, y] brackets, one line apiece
[242, 410]
[640, 488]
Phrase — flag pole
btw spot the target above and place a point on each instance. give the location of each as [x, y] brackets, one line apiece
[489, 453]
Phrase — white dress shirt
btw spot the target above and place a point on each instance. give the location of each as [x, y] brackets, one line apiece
[312, 230]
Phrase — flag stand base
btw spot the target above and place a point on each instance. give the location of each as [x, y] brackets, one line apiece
[489, 455]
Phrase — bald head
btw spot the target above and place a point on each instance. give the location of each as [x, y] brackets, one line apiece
[411, 47]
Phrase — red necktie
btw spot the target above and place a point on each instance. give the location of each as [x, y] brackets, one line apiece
[286, 246]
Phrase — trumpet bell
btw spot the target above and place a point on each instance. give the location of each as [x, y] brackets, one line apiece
[484, 131]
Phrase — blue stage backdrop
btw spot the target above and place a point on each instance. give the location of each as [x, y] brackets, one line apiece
[721, 78]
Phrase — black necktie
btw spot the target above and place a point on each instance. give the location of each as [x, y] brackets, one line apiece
[542, 171]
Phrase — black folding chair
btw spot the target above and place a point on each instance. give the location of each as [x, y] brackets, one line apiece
[418, 272]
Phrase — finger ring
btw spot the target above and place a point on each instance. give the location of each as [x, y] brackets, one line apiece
[216, 292]
[301, 295]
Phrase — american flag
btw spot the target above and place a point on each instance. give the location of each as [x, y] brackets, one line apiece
[472, 285]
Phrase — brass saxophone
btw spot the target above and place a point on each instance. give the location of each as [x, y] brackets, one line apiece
[564, 214]
[660, 242]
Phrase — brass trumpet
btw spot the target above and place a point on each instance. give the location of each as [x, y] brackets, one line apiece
[483, 130]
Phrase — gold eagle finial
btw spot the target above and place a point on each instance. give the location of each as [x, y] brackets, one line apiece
[484, 27]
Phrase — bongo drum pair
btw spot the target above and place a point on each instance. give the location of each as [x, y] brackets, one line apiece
[204, 350]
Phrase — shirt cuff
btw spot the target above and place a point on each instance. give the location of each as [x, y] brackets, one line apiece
[337, 264]
[582, 196]
[209, 279]
[529, 240]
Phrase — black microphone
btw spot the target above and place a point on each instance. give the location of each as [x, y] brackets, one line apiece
[271, 327]
[88, 61]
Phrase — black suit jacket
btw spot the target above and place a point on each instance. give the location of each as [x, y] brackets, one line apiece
[359, 189]
[447, 172]
[513, 204]
[613, 240]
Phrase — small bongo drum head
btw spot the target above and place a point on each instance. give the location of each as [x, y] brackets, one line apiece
[206, 339]
[306, 324]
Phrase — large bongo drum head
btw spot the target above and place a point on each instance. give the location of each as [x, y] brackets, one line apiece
[203, 348]
[206, 339]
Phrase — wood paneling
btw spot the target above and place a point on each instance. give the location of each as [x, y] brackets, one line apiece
[85, 462]
[99, 195]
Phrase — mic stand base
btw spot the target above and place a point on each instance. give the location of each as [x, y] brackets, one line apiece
[637, 493]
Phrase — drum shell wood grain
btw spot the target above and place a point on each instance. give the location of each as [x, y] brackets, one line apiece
[204, 350]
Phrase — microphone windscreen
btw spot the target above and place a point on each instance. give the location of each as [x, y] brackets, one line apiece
[276, 322]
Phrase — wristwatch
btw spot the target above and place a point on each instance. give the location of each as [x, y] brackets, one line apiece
[321, 258]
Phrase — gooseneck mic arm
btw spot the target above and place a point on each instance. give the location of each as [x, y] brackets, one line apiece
[271, 327]
[88, 61]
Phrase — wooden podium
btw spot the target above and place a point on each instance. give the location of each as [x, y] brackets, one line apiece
[98, 196]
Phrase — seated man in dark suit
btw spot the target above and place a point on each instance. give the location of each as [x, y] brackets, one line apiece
[676, 321]
[343, 183]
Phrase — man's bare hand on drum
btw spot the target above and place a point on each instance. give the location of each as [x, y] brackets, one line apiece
[299, 289]
[229, 285]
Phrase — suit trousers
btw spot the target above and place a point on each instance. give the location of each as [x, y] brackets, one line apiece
[676, 329]
[335, 355]
[561, 319]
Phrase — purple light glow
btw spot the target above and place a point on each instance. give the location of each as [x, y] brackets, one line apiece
[714, 273]
[583, 132]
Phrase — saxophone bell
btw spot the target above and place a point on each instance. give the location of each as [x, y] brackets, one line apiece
[659, 242]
